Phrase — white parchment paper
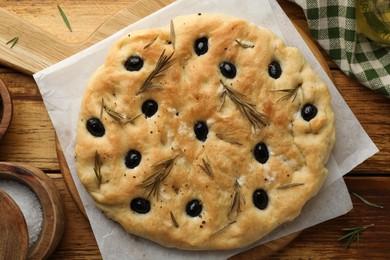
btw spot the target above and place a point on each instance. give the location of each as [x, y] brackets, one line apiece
[62, 86]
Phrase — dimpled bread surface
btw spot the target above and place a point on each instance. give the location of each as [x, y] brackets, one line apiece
[205, 134]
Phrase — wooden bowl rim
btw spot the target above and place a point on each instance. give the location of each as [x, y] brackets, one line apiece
[6, 103]
[53, 220]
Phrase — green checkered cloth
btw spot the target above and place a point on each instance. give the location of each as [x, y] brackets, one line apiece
[332, 24]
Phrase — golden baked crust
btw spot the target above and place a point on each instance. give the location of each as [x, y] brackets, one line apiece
[227, 156]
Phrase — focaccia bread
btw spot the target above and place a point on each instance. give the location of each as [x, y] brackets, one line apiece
[205, 134]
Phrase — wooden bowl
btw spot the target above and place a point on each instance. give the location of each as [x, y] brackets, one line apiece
[5, 109]
[14, 234]
[53, 224]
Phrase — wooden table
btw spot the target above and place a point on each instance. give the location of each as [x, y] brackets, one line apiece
[30, 139]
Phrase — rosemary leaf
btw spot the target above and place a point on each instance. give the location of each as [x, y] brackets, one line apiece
[102, 109]
[163, 63]
[64, 17]
[206, 167]
[246, 109]
[173, 35]
[228, 140]
[150, 43]
[290, 92]
[152, 183]
[13, 41]
[120, 118]
[175, 224]
[353, 235]
[244, 45]
[235, 203]
[290, 185]
[97, 167]
[367, 202]
[222, 228]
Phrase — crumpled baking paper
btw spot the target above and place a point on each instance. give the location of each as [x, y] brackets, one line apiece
[62, 86]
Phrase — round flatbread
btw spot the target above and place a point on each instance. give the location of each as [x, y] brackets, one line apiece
[205, 134]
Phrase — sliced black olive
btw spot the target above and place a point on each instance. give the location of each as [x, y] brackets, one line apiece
[194, 208]
[140, 205]
[228, 69]
[201, 46]
[149, 107]
[134, 63]
[260, 199]
[201, 130]
[261, 152]
[308, 112]
[95, 127]
[132, 159]
[275, 70]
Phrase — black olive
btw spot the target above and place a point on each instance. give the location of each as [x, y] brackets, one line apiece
[261, 152]
[201, 130]
[228, 69]
[95, 127]
[132, 159]
[274, 70]
[194, 208]
[260, 199]
[308, 112]
[201, 46]
[149, 107]
[140, 205]
[134, 63]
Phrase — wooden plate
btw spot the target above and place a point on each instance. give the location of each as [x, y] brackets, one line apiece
[53, 224]
[5, 108]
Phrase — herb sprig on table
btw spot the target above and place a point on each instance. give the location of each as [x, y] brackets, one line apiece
[13, 41]
[64, 17]
[355, 232]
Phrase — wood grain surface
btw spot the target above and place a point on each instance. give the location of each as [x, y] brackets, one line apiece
[30, 139]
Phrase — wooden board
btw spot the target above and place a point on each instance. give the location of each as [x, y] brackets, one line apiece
[36, 49]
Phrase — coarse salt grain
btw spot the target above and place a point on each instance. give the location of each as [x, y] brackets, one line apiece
[28, 203]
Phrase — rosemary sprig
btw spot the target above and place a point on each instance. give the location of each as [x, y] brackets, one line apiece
[290, 185]
[163, 63]
[150, 43]
[353, 235]
[222, 228]
[290, 92]
[369, 203]
[13, 41]
[97, 167]
[206, 167]
[152, 183]
[173, 35]
[64, 18]
[244, 45]
[228, 140]
[235, 203]
[246, 109]
[175, 224]
[120, 118]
